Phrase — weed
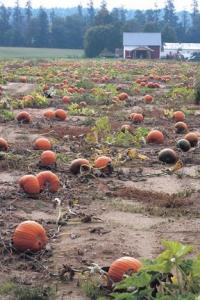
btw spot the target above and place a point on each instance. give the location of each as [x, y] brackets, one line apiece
[91, 289]
[6, 115]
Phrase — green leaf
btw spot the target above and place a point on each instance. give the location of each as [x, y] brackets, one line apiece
[138, 280]
[196, 267]
[174, 250]
[124, 296]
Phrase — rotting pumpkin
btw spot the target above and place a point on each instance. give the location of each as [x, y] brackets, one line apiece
[48, 179]
[23, 117]
[77, 164]
[122, 266]
[29, 235]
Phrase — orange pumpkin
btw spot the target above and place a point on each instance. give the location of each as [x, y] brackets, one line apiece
[24, 117]
[48, 158]
[102, 161]
[48, 178]
[29, 235]
[60, 114]
[155, 136]
[23, 79]
[148, 99]
[178, 116]
[192, 138]
[66, 99]
[122, 266]
[30, 184]
[181, 127]
[76, 165]
[136, 118]
[123, 96]
[49, 114]
[3, 145]
[42, 144]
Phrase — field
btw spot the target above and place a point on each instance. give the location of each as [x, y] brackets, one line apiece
[39, 53]
[124, 208]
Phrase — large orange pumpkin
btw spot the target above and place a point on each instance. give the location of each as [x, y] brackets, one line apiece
[76, 165]
[192, 138]
[49, 179]
[179, 116]
[155, 136]
[24, 117]
[48, 158]
[29, 235]
[3, 145]
[42, 144]
[121, 266]
[30, 184]
[60, 114]
[102, 162]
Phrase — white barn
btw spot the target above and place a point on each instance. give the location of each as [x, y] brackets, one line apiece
[141, 45]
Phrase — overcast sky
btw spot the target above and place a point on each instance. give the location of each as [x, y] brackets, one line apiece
[144, 4]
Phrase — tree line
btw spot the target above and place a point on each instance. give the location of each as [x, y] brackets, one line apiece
[94, 29]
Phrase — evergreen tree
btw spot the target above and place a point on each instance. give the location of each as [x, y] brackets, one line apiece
[170, 17]
[28, 30]
[42, 36]
[4, 26]
[18, 26]
[103, 17]
[91, 13]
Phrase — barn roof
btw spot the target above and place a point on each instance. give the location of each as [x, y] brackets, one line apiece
[142, 39]
[183, 46]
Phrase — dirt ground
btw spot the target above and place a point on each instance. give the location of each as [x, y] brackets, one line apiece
[126, 213]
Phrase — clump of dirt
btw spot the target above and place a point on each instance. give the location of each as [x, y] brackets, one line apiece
[153, 198]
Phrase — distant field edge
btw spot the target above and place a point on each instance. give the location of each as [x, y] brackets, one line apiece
[48, 53]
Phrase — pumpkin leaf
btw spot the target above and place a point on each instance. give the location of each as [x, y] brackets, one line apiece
[138, 280]
[196, 267]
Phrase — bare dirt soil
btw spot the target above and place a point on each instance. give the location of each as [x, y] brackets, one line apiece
[126, 213]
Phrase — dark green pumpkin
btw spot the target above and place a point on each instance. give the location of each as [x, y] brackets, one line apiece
[168, 156]
[184, 145]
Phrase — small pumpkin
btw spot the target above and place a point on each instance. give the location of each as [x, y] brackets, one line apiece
[168, 156]
[178, 116]
[192, 138]
[42, 144]
[66, 99]
[126, 128]
[49, 114]
[76, 164]
[123, 96]
[122, 266]
[181, 127]
[136, 118]
[102, 162]
[3, 145]
[184, 145]
[29, 235]
[148, 99]
[23, 117]
[30, 184]
[60, 114]
[49, 179]
[48, 158]
[155, 136]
